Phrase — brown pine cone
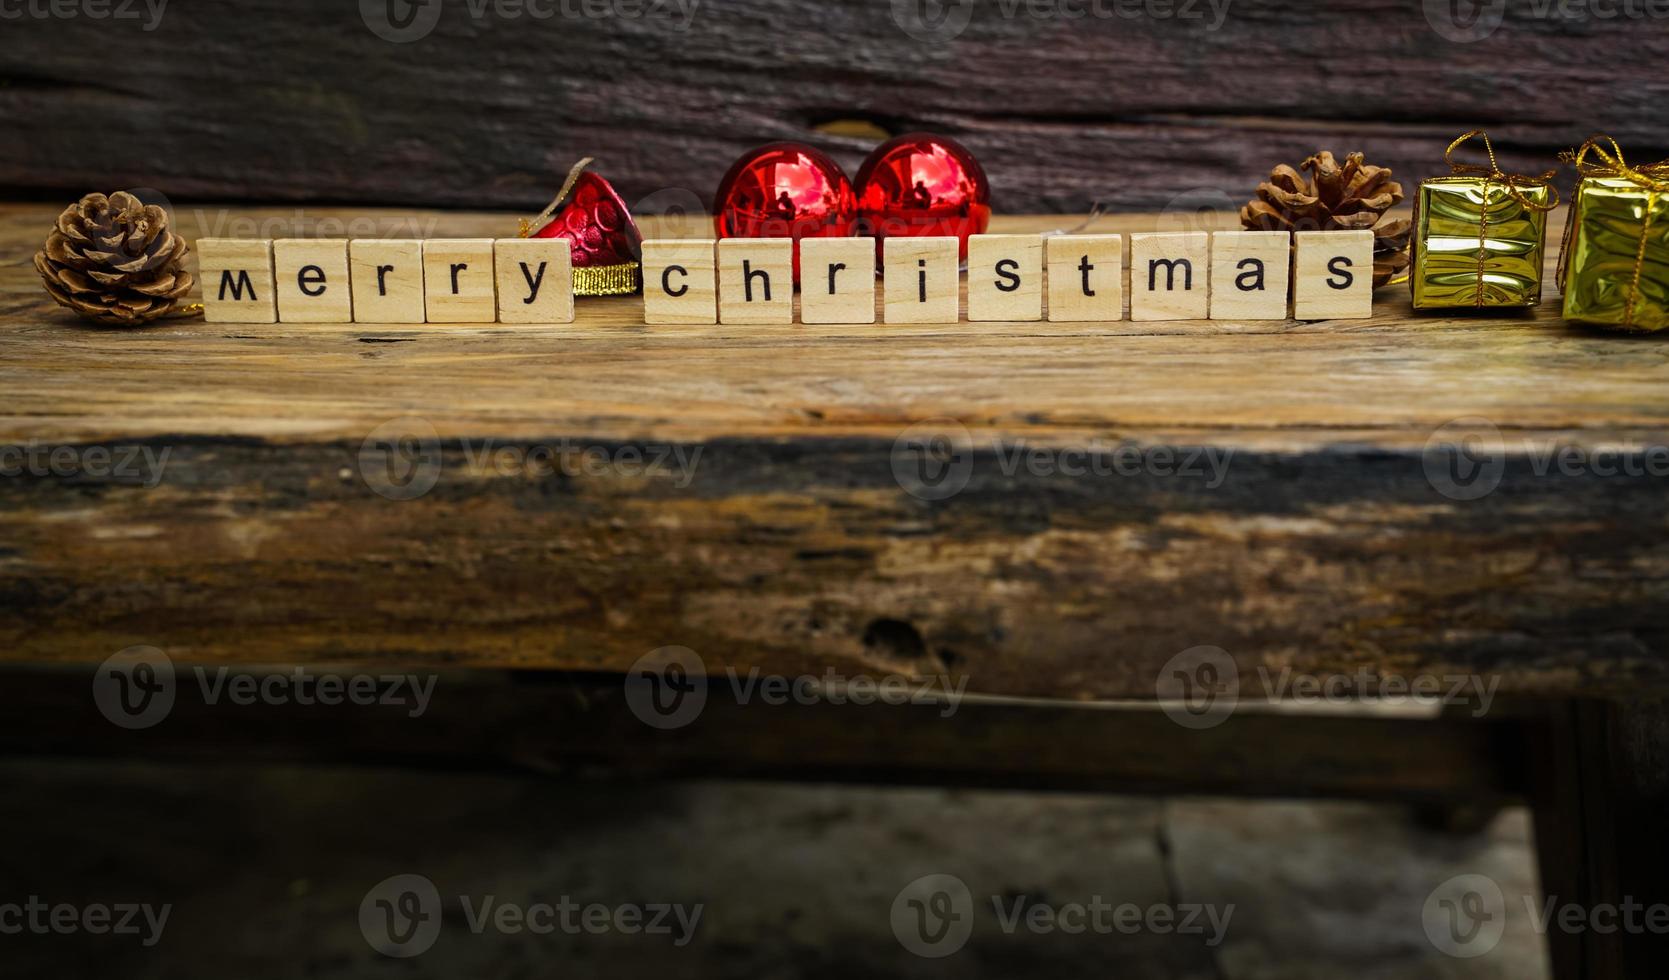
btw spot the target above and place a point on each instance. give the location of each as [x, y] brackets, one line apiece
[113, 259]
[1335, 197]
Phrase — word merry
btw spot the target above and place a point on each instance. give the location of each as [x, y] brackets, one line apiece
[442, 280]
[1241, 275]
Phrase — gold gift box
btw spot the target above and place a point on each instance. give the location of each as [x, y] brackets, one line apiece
[1617, 257]
[1479, 242]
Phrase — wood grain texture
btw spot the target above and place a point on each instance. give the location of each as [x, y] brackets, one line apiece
[490, 111]
[578, 725]
[791, 541]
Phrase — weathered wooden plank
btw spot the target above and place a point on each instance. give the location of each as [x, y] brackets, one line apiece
[566, 725]
[489, 110]
[792, 542]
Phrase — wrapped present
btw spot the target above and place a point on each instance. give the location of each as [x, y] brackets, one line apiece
[1479, 235]
[1615, 265]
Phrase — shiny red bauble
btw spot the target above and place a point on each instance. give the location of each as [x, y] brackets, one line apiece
[920, 185]
[785, 190]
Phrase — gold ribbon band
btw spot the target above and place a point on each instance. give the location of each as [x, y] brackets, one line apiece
[1654, 178]
[607, 280]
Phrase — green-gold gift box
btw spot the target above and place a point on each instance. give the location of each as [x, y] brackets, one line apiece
[1478, 242]
[1616, 265]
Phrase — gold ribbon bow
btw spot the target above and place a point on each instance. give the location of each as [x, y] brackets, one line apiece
[1653, 177]
[1515, 183]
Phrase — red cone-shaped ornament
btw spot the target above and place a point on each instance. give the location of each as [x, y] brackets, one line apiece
[599, 227]
[920, 185]
[785, 190]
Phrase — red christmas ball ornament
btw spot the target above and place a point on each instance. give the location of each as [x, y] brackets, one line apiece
[603, 240]
[920, 185]
[785, 190]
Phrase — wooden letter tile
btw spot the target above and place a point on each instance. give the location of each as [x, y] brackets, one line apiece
[387, 280]
[312, 278]
[458, 280]
[237, 280]
[1086, 277]
[1005, 277]
[921, 280]
[678, 281]
[1170, 276]
[1333, 275]
[837, 280]
[1251, 273]
[535, 280]
[756, 280]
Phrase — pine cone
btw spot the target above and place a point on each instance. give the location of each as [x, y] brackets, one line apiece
[113, 259]
[1335, 198]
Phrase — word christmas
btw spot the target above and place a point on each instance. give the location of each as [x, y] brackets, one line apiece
[1241, 275]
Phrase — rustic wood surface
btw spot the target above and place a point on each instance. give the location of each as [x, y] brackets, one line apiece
[565, 725]
[794, 548]
[286, 100]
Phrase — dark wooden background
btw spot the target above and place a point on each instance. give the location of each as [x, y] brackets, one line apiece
[299, 100]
